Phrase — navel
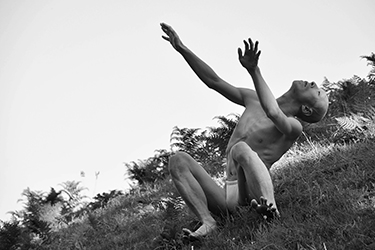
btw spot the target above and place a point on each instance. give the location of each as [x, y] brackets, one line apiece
[260, 141]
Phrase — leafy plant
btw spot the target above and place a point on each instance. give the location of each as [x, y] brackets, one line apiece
[208, 146]
[150, 170]
[53, 197]
[351, 113]
[101, 200]
[13, 236]
[371, 62]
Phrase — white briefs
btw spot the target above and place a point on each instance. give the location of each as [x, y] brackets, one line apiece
[231, 194]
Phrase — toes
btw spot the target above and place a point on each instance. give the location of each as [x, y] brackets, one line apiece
[263, 201]
[254, 203]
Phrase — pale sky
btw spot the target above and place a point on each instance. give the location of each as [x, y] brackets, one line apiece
[88, 85]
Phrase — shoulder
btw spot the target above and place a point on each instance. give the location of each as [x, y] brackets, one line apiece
[248, 95]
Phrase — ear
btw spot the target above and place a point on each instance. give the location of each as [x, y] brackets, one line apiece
[307, 111]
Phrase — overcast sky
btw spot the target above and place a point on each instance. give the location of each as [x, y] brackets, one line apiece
[89, 85]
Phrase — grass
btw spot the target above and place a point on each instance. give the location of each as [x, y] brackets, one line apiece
[325, 193]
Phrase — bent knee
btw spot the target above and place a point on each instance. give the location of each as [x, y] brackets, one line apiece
[178, 157]
[178, 162]
[242, 153]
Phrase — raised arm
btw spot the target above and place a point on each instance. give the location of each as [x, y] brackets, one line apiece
[249, 60]
[202, 70]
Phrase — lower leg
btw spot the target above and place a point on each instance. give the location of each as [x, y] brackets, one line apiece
[194, 197]
[192, 182]
[259, 184]
[259, 188]
[254, 178]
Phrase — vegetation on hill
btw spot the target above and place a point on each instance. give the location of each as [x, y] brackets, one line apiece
[324, 185]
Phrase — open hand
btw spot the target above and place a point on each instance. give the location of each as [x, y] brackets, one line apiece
[172, 36]
[268, 212]
[249, 60]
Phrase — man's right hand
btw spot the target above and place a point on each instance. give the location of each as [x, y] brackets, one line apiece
[172, 36]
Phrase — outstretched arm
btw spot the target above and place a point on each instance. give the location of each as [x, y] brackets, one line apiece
[201, 69]
[249, 60]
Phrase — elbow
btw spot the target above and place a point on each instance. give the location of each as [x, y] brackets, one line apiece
[210, 85]
[212, 82]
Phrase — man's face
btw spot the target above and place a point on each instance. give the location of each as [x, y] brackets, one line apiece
[309, 93]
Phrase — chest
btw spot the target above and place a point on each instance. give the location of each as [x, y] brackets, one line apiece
[256, 126]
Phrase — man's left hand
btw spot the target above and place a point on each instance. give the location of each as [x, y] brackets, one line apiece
[249, 60]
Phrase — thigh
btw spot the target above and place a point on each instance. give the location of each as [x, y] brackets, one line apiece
[215, 195]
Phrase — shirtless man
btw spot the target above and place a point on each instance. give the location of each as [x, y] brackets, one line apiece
[266, 130]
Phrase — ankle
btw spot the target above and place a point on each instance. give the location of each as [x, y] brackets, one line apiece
[210, 222]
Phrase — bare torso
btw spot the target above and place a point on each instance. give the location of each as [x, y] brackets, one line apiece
[259, 132]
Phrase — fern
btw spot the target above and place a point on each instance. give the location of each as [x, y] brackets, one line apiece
[365, 110]
[349, 123]
[371, 62]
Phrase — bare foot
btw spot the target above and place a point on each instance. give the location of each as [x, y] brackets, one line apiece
[267, 211]
[200, 232]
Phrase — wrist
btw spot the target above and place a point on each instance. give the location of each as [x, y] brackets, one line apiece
[253, 71]
[183, 50]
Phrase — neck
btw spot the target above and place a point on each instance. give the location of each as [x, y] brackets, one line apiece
[288, 104]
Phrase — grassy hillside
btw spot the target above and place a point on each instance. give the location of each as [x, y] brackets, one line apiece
[325, 193]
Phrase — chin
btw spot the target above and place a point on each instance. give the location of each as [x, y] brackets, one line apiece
[297, 84]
